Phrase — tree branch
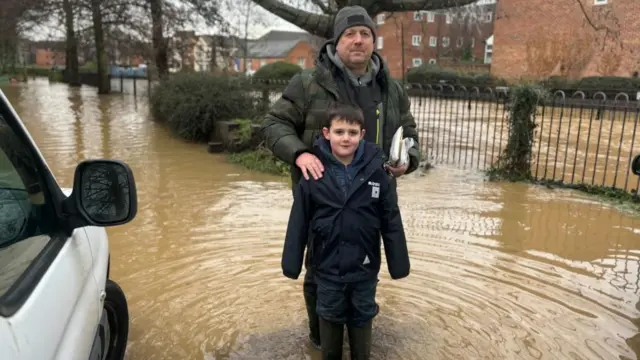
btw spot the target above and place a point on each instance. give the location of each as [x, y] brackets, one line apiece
[324, 8]
[588, 18]
[322, 24]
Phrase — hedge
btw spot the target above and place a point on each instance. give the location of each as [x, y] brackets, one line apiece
[433, 74]
[279, 70]
[190, 103]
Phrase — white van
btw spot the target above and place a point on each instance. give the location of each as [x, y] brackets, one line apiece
[56, 298]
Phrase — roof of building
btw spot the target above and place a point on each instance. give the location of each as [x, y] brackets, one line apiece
[222, 41]
[489, 41]
[281, 35]
[276, 43]
[271, 49]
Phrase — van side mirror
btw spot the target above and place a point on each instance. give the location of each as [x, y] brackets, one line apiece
[635, 165]
[104, 193]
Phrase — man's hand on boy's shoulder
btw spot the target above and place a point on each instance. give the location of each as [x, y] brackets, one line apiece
[310, 165]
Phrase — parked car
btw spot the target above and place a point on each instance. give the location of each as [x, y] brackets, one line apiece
[56, 298]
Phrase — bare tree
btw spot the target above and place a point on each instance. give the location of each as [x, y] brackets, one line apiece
[319, 20]
[71, 58]
[17, 17]
[246, 14]
[157, 36]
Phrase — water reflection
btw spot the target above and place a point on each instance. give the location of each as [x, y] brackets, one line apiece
[499, 271]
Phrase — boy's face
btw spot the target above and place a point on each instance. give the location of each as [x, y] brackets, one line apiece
[343, 137]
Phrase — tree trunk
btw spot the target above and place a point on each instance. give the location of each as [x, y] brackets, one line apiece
[214, 54]
[8, 46]
[104, 83]
[159, 43]
[71, 60]
[322, 25]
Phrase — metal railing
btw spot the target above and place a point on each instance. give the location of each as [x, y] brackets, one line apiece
[579, 139]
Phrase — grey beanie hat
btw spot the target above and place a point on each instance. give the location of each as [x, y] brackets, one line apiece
[350, 16]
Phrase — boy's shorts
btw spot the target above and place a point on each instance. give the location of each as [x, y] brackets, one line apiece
[352, 304]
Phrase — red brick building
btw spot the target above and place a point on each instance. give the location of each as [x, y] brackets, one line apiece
[536, 39]
[298, 48]
[49, 53]
[435, 37]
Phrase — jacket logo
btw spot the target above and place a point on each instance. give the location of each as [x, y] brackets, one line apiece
[375, 189]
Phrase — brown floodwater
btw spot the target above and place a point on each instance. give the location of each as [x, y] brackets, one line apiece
[499, 270]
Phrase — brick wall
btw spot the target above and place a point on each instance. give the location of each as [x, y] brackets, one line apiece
[459, 33]
[540, 38]
[48, 57]
[302, 50]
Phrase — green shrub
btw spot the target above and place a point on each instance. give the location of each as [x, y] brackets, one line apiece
[56, 76]
[260, 159]
[245, 137]
[430, 74]
[433, 74]
[611, 83]
[190, 103]
[515, 161]
[557, 82]
[279, 70]
[89, 67]
[593, 84]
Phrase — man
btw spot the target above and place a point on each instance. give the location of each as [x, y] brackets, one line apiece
[347, 71]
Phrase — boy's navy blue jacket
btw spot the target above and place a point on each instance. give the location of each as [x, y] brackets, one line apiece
[345, 212]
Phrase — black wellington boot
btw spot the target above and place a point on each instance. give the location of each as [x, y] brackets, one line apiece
[314, 325]
[360, 341]
[310, 289]
[331, 336]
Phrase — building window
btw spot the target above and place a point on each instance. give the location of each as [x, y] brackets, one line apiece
[432, 61]
[263, 62]
[433, 41]
[301, 61]
[600, 2]
[416, 62]
[380, 19]
[447, 18]
[431, 17]
[380, 42]
[460, 42]
[417, 16]
[488, 54]
[488, 17]
[473, 42]
[488, 50]
[445, 41]
[416, 40]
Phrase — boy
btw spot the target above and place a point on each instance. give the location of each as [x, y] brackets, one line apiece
[345, 212]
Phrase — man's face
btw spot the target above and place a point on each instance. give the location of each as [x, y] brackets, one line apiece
[355, 46]
[343, 137]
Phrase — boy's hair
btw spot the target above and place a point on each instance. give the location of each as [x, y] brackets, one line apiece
[350, 114]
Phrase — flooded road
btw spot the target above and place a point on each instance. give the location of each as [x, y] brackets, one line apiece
[499, 271]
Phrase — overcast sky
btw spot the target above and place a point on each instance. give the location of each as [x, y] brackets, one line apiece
[261, 22]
